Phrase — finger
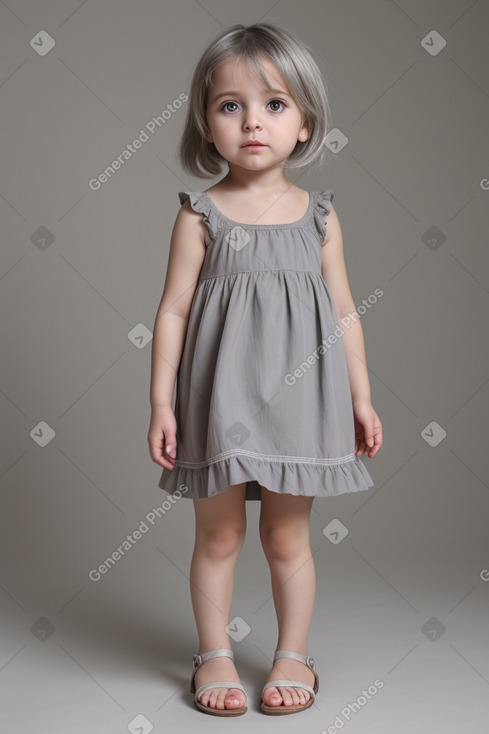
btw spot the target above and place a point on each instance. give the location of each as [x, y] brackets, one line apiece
[360, 450]
[171, 445]
[166, 463]
[377, 445]
[157, 455]
[155, 447]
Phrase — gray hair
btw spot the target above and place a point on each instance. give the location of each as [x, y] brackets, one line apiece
[292, 58]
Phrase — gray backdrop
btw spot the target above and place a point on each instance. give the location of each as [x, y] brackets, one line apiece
[401, 611]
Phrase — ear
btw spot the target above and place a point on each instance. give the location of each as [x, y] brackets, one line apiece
[304, 131]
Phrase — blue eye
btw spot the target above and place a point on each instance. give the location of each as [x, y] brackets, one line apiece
[226, 104]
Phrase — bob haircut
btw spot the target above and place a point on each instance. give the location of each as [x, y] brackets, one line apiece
[293, 60]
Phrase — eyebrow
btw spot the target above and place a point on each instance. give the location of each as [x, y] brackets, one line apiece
[236, 94]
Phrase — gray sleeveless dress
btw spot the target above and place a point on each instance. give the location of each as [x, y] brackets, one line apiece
[263, 393]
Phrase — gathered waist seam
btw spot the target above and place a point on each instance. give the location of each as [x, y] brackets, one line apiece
[267, 270]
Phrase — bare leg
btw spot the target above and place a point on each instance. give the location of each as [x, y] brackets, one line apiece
[220, 529]
[284, 533]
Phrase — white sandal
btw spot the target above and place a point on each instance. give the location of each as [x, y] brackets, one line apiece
[282, 709]
[198, 660]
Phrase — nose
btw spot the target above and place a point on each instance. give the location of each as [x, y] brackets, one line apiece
[251, 121]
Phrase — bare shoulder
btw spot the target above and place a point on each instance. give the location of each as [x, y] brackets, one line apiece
[333, 228]
[333, 266]
[187, 251]
[190, 220]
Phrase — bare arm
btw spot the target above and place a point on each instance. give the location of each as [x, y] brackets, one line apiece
[368, 428]
[334, 273]
[187, 251]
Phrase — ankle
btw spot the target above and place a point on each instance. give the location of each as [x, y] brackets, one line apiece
[293, 647]
[207, 648]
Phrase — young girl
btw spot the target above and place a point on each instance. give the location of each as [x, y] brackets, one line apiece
[273, 397]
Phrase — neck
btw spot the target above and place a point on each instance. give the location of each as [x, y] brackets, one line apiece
[258, 182]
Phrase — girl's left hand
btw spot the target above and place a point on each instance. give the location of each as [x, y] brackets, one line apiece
[368, 428]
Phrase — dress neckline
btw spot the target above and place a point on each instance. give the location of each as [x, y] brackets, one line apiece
[262, 226]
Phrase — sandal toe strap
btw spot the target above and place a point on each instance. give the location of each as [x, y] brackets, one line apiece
[220, 684]
[289, 684]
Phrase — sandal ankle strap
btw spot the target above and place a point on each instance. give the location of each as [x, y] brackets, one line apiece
[306, 659]
[220, 652]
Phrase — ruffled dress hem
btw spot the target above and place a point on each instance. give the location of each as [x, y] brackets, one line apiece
[283, 477]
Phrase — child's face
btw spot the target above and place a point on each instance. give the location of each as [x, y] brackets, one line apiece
[249, 111]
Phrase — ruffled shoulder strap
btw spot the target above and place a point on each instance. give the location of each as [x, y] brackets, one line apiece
[200, 203]
[322, 207]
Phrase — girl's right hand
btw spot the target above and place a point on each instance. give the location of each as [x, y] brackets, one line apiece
[162, 437]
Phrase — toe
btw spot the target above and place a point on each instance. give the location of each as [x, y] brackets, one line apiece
[234, 698]
[299, 696]
[272, 697]
[204, 699]
[288, 696]
[209, 698]
[222, 698]
[221, 695]
[303, 695]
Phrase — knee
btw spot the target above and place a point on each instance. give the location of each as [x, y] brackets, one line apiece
[221, 543]
[282, 542]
